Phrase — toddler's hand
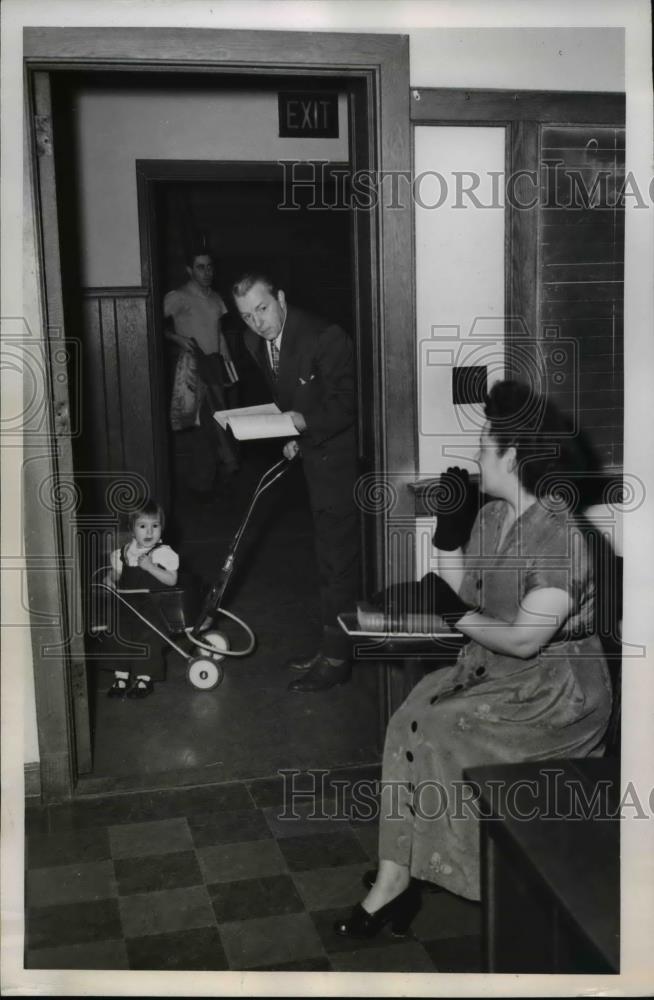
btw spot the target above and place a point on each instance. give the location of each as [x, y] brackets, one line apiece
[145, 561]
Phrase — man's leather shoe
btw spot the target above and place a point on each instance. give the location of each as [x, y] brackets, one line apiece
[322, 676]
[302, 665]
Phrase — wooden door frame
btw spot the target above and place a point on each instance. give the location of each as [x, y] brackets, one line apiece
[380, 66]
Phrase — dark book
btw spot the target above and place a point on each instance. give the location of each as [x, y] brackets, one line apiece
[413, 606]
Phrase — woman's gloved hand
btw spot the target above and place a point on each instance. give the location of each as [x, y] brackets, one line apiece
[456, 503]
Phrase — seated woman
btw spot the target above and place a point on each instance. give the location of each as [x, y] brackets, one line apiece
[531, 683]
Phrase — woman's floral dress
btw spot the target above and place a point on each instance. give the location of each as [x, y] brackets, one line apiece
[490, 708]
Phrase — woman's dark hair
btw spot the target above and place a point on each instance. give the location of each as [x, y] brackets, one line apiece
[149, 509]
[552, 456]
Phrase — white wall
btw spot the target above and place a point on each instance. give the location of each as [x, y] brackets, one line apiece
[520, 58]
[459, 293]
[113, 128]
[459, 282]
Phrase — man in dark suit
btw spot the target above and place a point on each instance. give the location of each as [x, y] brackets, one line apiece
[309, 366]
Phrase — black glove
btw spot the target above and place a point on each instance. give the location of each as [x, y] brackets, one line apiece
[456, 503]
[429, 596]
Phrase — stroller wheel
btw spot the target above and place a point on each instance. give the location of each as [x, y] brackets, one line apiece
[205, 673]
[216, 640]
[205, 670]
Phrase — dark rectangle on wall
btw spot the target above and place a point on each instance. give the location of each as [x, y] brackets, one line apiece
[308, 114]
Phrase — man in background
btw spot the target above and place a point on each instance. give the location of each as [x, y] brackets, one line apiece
[309, 366]
[193, 316]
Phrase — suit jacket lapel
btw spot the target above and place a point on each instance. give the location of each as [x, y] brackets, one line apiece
[283, 386]
[287, 375]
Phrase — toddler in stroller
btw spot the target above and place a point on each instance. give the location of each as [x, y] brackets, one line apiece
[143, 566]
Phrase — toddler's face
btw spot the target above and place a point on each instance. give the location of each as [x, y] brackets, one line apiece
[147, 530]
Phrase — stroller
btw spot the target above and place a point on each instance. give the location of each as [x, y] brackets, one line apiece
[174, 608]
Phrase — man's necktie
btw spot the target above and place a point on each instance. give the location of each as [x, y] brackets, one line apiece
[274, 358]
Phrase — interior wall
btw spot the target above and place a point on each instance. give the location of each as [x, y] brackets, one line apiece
[520, 58]
[115, 127]
[459, 282]
[459, 293]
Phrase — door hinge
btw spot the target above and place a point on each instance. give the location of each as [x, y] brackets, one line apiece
[61, 419]
[43, 132]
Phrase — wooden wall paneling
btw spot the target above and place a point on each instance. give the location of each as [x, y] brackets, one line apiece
[111, 376]
[137, 443]
[581, 287]
[94, 429]
[120, 433]
[522, 260]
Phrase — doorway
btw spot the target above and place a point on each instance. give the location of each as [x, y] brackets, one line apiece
[377, 100]
[251, 726]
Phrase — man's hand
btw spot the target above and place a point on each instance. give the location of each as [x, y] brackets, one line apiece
[299, 422]
[290, 450]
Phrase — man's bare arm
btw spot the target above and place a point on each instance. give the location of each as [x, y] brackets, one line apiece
[171, 334]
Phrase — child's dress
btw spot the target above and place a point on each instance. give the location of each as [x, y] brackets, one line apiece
[131, 629]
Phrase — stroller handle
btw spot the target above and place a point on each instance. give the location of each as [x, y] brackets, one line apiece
[215, 595]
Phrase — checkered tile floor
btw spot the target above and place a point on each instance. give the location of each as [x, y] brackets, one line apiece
[210, 878]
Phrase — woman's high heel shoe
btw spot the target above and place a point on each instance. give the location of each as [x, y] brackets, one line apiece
[399, 913]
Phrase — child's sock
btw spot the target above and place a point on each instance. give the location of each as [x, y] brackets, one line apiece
[142, 687]
[119, 687]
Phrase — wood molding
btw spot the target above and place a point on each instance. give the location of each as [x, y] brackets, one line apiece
[433, 105]
[194, 48]
[521, 266]
[32, 779]
[117, 292]
[228, 170]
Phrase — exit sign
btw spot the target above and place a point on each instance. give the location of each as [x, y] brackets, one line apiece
[308, 113]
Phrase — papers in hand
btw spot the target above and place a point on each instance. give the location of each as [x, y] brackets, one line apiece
[249, 423]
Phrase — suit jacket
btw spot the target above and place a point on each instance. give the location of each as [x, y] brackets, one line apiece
[316, 378]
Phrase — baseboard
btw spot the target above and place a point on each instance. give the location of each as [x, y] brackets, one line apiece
[32, 773]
